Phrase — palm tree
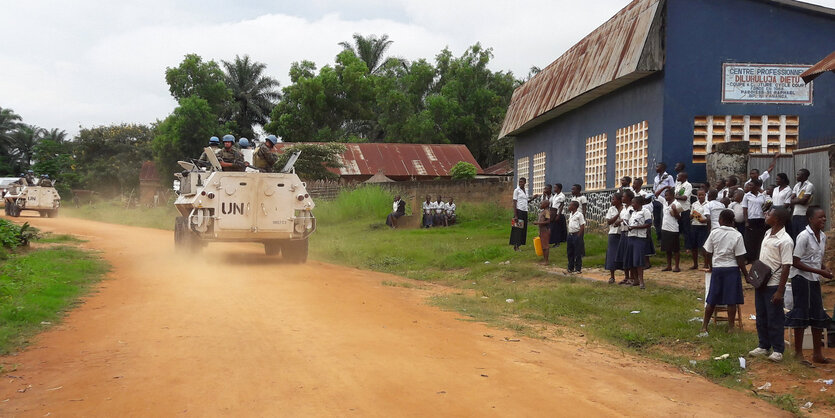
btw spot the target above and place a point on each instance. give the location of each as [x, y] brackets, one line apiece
[254, 94]
[56, 135]
[9, 121]
[23, 142]
[370, 50]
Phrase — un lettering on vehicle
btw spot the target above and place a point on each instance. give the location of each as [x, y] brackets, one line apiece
[231, 208]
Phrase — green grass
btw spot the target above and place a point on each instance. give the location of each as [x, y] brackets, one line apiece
[50, 238]
[37, 287]
[113, 211]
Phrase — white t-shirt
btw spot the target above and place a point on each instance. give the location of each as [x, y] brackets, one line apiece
[582, 200]
[557, 200]
[428, 207]
[724, 193]
[714, 208]
[781, 197]
[440, 207]
[776, 251]
[662, 180]
[810, 252]
[738, 215]
[802, 190]
[763, 177]
[450, 208]
[638, 218]
[683, 189]
[521, 199]
[394, 205]
[726, 244]
[624, 218]
[754, 204]
[699, 208]
[575, 220]
[669, 222]
[611, 213]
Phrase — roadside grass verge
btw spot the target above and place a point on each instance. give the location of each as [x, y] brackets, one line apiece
[50, 238]
[37, 287]
[114, 211]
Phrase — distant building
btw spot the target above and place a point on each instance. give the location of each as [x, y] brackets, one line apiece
[149, 184]
[664, 80]
[399, 162]
[503, 168]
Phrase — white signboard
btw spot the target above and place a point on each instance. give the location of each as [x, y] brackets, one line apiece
[765, 83]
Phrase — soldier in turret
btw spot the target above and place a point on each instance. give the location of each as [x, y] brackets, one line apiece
[264, 158]
[45, 181]
[214, 144]
[230, 158]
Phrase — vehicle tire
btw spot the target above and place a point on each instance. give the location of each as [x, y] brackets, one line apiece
[43, 213]
[6, 208]
[295, 251]
[179, 229]
[14, 210]
[272, 247]
[53, 213]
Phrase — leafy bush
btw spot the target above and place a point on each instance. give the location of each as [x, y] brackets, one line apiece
[463, 170]
[13, 236]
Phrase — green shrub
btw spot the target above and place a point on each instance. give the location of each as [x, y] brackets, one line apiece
[13, 236]
[463, 170]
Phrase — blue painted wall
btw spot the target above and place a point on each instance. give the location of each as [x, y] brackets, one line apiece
[703, 34]
[564, 138]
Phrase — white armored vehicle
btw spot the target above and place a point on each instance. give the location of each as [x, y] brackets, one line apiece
[272, 208]
[43, 199]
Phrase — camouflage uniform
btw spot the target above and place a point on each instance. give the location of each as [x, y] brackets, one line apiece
[264, 159]
[232, 156]
[204, 157]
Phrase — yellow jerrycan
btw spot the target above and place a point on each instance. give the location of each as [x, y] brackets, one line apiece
[537, 246]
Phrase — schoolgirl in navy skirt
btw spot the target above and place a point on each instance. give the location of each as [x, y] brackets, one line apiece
[613, 244]
[623, 243]
[637, 248]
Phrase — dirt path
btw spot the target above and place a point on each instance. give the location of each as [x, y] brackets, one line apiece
[234, 333]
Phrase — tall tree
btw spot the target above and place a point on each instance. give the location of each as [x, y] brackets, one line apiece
[9, 121]
[183, 134]
[107, 159]
[55, 134]
[23, 142]
[253, 93]
[194, 77]
[370, 49]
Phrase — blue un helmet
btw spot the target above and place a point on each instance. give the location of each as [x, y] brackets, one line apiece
[214, 141]
[228, 138]
[243, 142]
[273, 140]
[45, 176]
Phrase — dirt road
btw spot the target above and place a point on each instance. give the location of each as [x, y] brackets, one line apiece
[234, 333]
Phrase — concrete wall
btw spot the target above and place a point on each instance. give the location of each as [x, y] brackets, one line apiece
[703, 34]
[563, 139]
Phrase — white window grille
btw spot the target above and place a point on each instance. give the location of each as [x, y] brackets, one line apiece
[596, 162]
[765, 134]
[522, 169]
[631, 151]
[538, 180]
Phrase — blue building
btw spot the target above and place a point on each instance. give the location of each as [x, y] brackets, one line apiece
[664, 80]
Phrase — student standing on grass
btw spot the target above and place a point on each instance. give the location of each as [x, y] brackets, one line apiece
[699, 228]
[752, 212]
[801, 197]
[782, 196]
[776, 253]
[736, 206]
[575, 246]
[543, 221]
[726, 263]
[624, 235]
[683, 191]
[558, 231]
[807, 269]
[613, 244]
[662, 181]
[671, 213]
[640, 219]
[647, 204]
[580, 199]
[518, 236]
[427, 212]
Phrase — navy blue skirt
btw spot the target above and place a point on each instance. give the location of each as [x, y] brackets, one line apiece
[636, 250]
[612, 249]
[622, 247]
[725, 287]
[696, 238]
[808, 305]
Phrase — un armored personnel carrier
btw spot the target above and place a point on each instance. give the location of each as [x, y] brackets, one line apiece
[43, 199]
[272, 208]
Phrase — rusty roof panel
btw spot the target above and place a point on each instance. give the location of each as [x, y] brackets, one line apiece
[400, 160]
[148, 172]
[826, 64]
[612, 51]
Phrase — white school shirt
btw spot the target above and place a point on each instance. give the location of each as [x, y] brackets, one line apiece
[624, 216]
[612, 212]
[738, 215]
[647, 194]
[668, 222]
[582, 200]
[700, 208]
[394, 205]
[557, 199]
[810, 252]
[714, 208]
[662, 180]
[638, 218]
[575, 220]
[683, 189]
[776, 251]
[781, 197]
[427, 207]
[763, 177]
[450, 208]
[754, 205]
[724, 193]
[439, 207]
[726, 244]
[521, 199]
[805, 188]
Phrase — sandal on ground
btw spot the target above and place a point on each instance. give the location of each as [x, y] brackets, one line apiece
[694, 268]
[611, 280]
[676, 270]
[666, 269]
[626, 282]
[703, 334]
[806, 363]
[826, 360]
[636, 284]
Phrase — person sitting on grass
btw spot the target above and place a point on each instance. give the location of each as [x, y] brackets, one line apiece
[450, 212]
[613, 220]
[640, 219]
[439, 218]
[575, 247]
[543, 221]
[725, 251]
[428, 209]
[398, 209]
[775, 251]
[671, 212]
[806, 271]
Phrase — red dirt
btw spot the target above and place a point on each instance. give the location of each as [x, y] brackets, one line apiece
[233, 332]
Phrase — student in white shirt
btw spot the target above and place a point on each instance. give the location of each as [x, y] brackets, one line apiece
[648, 203]
[580, 199]
[782, 194]
[755, 173]
[575, 246]
[699, 228]
[726, 263]
[612, 219]
[801, 198]
[683, 191]
[723, 190]
[806, 272]
[626, 184]
[776, 253]
[518, 236]
[640, 220]
[398, 209]
[558, 230]
[736, 206]
[625, 212]
[450, 211]
[428, 208]
[671, 213]
[752, 212]
[439, 218]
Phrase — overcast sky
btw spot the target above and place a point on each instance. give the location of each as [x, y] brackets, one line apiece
[65, 64]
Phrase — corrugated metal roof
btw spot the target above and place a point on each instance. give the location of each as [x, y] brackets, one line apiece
[400, 160]
[826, 64]
[499, 169]
[625, 48]
[148, 172]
